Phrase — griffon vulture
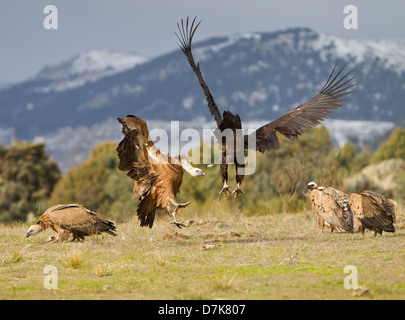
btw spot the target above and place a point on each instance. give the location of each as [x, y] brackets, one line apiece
[71, 220]
[157, 177]
[373, 211]
[291, 124]
[332, 208]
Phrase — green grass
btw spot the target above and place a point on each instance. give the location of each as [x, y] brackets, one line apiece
[259, 257]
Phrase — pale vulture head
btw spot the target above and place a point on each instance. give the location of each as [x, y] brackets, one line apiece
[311, 185]
[33, 230]
[195, 172]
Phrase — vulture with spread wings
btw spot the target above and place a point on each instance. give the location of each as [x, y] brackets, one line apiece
[332, 207]
[291, 124]
[157, 177]
[373, 211]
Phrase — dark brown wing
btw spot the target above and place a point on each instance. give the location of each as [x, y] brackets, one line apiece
[133, 154]
[310, 114]
[185, 36]
[157, 177]
[373, 210]
[78, 218]
[332, 206]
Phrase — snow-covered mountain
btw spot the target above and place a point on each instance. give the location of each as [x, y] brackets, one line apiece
[257, 75]
[85, 68]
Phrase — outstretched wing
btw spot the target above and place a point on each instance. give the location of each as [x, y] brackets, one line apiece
[157, 177]
[332, 206]
[307, 115]
[133, 154]
[185, 36]
[373, 210]
[78, 218]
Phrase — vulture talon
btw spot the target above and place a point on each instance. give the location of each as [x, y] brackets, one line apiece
[225, 191]
[179, 224]
[237, 191]
[184, 205]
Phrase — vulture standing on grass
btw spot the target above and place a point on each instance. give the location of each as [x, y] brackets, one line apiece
[332, 208]
[157, 177]
[71, 220]
[291, 124]
[373, 211]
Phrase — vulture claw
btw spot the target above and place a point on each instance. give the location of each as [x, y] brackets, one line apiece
[183, 205]
[181, 224]
[237, 191]
[225, 190]
[178, 224]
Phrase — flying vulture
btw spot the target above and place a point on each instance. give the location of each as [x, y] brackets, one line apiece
[373, 211]
[157, 177]
[71, 220]
[332, 208]
[291, 124]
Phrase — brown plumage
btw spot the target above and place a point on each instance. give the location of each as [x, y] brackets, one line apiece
[157, 177]
[291, 124]
[331, 207]
[71, 221]
[373, 211]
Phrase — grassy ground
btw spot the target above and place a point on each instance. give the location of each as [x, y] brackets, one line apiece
[220, 256]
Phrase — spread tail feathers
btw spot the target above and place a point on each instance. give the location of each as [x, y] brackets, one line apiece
[146, 211]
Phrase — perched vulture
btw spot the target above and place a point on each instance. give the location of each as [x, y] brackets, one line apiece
[373, 211]
[332, 208]
[71, 220]
[157, 177]
[291, 124]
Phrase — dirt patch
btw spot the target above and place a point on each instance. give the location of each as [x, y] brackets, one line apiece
[176, 237]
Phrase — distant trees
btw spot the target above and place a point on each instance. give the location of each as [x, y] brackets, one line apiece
[27, 177]
[97, 184]
[29, 180]
[393, 148]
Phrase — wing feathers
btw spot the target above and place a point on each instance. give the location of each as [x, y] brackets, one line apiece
[332, 206]
[157, 177]
[185, 37]
[309, 114]
[133, 154]
[373, 210]
[75, 217]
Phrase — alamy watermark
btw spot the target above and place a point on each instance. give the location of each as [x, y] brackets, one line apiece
[229, 145]
[51, 280]
[51, 20]
[351, 21]
[352, 280]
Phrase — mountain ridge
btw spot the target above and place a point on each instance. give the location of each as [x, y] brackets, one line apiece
[259, 75]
